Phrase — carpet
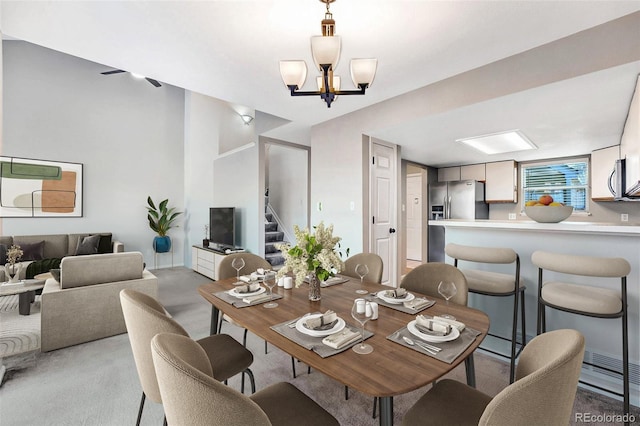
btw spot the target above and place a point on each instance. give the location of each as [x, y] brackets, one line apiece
[19, 334]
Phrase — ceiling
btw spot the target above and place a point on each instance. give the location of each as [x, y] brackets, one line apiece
[230, 50]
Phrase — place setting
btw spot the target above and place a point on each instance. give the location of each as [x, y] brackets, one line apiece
[440, 337]
[402, 300]
[252, 293]
[324, 333]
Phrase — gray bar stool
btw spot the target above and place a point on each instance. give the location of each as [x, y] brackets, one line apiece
[499, 284]
[586, 300]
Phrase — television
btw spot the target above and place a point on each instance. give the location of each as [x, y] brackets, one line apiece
[222, 227]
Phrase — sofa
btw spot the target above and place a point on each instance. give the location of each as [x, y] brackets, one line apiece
[46, 251]
[85, 304]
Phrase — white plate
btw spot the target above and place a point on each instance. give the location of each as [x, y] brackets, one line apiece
[429, 338]
[234, 293]
[318, 333]
[406, 298]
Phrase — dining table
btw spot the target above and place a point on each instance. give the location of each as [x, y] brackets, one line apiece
[392, 369]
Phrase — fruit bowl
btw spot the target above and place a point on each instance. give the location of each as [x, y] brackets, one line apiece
[548, 214]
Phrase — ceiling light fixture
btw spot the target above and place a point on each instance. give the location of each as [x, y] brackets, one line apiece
[499, 143]
[246, 118]
[325, 50]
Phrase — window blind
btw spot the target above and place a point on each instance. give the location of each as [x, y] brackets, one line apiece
[566, 182]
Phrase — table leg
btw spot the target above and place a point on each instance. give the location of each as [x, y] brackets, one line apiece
[386, 411]
[24, 302]
[213, 328]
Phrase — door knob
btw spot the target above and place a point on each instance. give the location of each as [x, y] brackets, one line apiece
[392, 230]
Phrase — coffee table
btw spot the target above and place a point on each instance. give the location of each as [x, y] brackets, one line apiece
[26, 291]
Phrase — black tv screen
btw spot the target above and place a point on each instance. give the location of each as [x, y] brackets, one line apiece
[222, 226]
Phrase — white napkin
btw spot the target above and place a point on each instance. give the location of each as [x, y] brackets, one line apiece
[399, 293]
[433, 325]
[457, 324]
[326, 318]
[246, 278]
[247, 288]
[258, 298]
[418, 303]
[341, 339]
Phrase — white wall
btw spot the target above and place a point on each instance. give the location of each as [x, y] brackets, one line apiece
[127, 133]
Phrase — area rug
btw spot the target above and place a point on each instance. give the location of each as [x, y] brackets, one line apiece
[19, 334]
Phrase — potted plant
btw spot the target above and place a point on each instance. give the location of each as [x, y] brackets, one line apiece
[161, 220]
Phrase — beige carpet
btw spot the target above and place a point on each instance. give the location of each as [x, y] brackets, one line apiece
[19, 334]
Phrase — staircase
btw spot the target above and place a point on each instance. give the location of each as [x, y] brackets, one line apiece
[272, 236]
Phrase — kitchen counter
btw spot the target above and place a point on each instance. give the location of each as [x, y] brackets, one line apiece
[529, 225]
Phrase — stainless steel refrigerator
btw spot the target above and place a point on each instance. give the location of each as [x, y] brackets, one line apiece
[453, 200]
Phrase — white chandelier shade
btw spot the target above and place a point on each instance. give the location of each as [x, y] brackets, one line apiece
[294, 73]
[363, 71]
[325, 50]
[335, 86]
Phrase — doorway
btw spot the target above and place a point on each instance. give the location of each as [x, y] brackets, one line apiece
[415, 230]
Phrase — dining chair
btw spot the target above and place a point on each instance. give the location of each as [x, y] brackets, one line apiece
[373, 262]
[192, 395]
[145, 317]
[584, 299]
[543, 393]
[251, 263]
[496, 284]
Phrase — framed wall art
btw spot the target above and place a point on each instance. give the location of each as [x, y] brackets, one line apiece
[40, 188]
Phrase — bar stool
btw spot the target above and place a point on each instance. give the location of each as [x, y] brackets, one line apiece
[586, 300]
[497, 284]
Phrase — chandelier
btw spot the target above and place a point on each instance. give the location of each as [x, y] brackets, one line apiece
[325, 50]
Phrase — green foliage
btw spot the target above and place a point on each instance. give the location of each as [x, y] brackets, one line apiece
[161, 218]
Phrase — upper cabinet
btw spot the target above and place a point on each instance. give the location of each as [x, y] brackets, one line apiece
[473, 172]
[501, 185]
[602, 163]
[448, 174]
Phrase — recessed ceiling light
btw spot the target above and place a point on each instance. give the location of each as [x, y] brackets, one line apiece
[499, 143]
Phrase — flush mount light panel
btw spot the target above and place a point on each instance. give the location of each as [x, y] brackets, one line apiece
[499, 143]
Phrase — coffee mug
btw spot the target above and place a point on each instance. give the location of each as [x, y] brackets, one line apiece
[288, 282]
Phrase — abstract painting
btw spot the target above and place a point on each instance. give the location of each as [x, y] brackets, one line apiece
[40, 188]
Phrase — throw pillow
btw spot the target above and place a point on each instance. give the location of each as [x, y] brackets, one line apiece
[55, 273]
[3, 254]
[104, 246]
[31, 251]
[88, 245]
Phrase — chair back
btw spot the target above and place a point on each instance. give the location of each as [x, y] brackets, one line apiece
[586, 266]
[481, 254]
[373, 262]
[190, 394]
[145, 317]
[426, 277]
[251, 263]
[546, 383]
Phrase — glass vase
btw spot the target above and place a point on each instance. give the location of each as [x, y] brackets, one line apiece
[314, 288]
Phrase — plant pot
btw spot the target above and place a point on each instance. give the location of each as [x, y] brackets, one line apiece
[162, 244]
[12, 272]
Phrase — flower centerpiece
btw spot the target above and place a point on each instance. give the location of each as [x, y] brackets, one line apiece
[12, 268]
[315, 257]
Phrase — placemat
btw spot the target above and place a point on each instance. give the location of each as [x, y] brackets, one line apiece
[372, 297]
[238, 303]
[288, 330]
[449, 350]
[334, 281]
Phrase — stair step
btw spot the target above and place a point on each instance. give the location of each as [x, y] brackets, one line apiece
[274, 258]
[269, 217]
[270, 226]
[270, 237]
[271, 247]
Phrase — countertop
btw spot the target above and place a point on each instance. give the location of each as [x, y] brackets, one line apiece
[529, 225]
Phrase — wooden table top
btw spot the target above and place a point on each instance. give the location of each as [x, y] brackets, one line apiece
[391, 369]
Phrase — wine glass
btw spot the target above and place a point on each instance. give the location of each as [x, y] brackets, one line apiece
[270, 281]
[237, 264]
[362, 270]
[447, 289]
[361, 312]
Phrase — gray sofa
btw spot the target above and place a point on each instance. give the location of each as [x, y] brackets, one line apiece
[56, 246]
[85, 304]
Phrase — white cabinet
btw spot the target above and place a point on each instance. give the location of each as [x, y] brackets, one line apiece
[501, 185]
[473, 172]
[449, 174]
[205, 261]
[602, 163]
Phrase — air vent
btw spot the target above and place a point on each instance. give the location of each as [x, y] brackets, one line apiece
[613, 364]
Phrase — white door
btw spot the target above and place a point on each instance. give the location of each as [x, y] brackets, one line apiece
[414, 217]
[383, 209]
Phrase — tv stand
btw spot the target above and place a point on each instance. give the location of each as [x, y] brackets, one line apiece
[206, 260]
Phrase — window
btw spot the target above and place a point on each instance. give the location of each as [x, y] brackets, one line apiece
[567, 181]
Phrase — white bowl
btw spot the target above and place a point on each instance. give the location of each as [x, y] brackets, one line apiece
[548, 214]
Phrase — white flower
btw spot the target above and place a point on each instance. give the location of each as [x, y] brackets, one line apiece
[14, 253]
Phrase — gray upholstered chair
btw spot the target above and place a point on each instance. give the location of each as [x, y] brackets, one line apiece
[583, 299]
[225, 270]
[493, 283]
[145, 317]
[373, 262]
[192, 396]
[426, 277]
[543, 393]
